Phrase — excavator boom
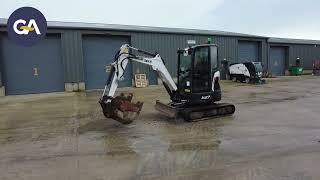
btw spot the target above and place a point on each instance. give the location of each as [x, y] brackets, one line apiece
[121, 108]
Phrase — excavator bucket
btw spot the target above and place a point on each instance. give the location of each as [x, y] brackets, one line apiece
[121, 108]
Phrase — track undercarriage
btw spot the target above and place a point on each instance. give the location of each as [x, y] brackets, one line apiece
[123, 110]
[195, 113]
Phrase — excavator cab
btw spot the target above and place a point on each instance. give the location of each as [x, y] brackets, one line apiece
[198, 87]
[198, 79]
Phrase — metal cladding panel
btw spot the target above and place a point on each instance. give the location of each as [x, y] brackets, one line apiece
[227, 48]
[98, 54]
[164, 44]
[0, 74]
[264, 53]
[293, 41]
[72, 56]
[306, 53]
[1, 65]
[277, 60]
[35, 69]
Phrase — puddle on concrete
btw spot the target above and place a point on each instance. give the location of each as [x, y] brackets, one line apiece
[274, 127]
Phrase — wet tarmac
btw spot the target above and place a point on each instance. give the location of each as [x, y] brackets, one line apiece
[274, 135]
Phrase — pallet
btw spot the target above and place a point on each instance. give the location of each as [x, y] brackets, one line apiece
[141, 80]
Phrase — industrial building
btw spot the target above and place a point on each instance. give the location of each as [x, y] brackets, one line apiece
[76, 56]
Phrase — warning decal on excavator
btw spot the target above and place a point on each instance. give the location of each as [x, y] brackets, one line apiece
[125, 50]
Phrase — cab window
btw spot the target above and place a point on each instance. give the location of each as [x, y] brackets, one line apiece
[201, 70]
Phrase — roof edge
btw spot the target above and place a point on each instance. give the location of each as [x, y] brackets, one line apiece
[135, 28]
[293, 41]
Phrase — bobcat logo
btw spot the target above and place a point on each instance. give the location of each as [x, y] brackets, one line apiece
[205, 97]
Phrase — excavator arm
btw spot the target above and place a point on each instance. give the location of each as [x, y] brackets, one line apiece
[121, 108]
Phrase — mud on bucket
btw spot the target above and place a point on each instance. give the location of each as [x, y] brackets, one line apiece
[121, 108]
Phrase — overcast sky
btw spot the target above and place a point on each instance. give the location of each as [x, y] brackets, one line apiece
[276, 18]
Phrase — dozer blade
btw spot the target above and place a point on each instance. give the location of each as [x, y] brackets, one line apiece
[166, 110]
[121, 108]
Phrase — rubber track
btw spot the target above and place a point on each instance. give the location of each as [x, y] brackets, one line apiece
[208, 112]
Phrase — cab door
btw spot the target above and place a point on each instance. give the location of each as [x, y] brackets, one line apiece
[201, 70]
[184, 73]
[195, 73]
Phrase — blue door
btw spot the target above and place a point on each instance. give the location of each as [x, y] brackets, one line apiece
[277, 60]
[98, 53]
[35, 69]
[248, 51]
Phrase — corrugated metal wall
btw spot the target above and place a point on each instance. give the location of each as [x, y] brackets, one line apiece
[72, 56]
[307, 53]
[166, 45]
[264, 52]
[228, 48]
[0, 65]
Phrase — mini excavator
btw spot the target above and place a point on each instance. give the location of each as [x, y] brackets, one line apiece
[193, 97]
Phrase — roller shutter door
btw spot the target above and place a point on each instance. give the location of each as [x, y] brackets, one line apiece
[35, 69]
[277, 60]
[248, 51]
[98, 53]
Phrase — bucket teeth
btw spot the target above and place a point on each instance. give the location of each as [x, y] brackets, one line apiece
[121, 108]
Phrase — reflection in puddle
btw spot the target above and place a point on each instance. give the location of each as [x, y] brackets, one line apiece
[193, 146]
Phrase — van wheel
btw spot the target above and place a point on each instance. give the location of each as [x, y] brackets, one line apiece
[234, 78]
[247, 80]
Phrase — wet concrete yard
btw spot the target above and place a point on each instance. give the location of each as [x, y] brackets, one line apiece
[274, 134]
